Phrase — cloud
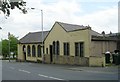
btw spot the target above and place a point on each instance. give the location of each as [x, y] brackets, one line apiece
[68, 11]
[104, 20]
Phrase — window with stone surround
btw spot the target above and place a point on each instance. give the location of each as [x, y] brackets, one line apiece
[33, 51]
[28, 50]
[66, 48]
[79, 49]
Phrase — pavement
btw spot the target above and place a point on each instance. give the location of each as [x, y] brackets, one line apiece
[109, 70]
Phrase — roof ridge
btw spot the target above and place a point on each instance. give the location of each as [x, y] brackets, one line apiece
[72, 27]
[38, 32]
[25, 36]
[70, 24]
[33, 37]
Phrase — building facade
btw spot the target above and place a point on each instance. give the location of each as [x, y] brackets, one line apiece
[30, 47]
[75, 44]
[67, 44]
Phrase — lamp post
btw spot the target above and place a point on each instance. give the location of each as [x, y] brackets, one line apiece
[9, 44]
[1, 45]
[42, 34]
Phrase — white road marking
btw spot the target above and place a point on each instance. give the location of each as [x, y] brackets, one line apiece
[12, 68]
[43, 75]
[24, 71]
[49, 77]
[56, 78]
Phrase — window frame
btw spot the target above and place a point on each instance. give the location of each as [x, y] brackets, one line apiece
[33, 51]
[56, 47]
[79, 49]
[66, 48]
[28, 50]
[39, 51]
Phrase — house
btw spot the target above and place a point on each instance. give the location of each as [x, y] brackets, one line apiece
[30, 46]
[67, 44]
[76, 45]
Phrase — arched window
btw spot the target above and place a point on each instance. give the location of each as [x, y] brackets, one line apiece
[24, 49]
[57, 48]
[33, 51]
[28, 50]
[54, 47]
[39, 50]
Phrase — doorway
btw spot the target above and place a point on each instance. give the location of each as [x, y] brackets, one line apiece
[24, 52]
[25, 56]
[51, 54]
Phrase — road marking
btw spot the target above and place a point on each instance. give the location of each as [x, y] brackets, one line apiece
[24, 71]
[56, 78]
[50, 77]
[12, 68]
[43, 75]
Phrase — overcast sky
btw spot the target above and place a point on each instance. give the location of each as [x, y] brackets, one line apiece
[99, 14]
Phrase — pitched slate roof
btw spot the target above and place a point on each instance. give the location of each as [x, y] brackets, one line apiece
[72, 27]
[94, 33]
[34, 37]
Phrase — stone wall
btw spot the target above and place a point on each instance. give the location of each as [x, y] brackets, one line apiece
[83, 61]
[97, 61]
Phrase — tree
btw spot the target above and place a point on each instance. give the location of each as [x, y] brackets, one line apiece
[13, 45]
[0, 47]
[7, 5]
[5, 48]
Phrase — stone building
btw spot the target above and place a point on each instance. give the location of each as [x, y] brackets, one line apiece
[76, 44]
[67, 44]
[30, 46]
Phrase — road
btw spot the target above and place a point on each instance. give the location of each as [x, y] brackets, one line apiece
[36, 71]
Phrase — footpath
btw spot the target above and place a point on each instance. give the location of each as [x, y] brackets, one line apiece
[108, 69]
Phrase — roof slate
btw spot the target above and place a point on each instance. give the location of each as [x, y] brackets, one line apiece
[72, 27]
[94, 33]
[35, 37]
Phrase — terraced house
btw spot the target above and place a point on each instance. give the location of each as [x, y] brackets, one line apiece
[67, 44]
